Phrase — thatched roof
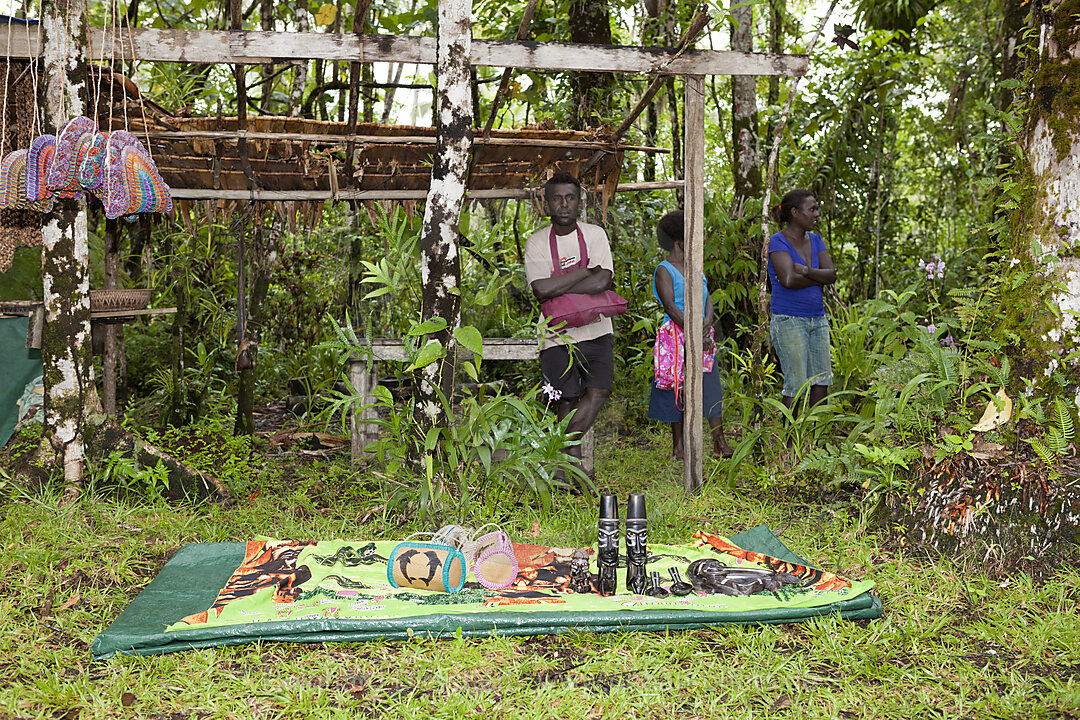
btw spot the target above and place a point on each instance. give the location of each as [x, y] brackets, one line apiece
[294, 155]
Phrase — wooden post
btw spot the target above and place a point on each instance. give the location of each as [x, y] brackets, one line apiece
[112, 346]
[66, 357]
[440, 262]
[694, 236]
[588, 452]
[361, 430]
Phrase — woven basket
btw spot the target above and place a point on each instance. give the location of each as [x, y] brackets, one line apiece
[119, 300]
[18, 307]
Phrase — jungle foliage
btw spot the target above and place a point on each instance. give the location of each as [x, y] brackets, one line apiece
[902, 137]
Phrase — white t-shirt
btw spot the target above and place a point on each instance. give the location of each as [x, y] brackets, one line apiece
[538, 267]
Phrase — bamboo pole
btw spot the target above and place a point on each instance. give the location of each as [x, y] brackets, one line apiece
[112, 349]
[359, 20]
[772, 173]
[700, 21]
[504, 83]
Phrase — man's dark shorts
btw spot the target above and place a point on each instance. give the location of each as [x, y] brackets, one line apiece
[590, 364]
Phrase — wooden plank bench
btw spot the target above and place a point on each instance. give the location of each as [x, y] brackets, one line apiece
[362, 427]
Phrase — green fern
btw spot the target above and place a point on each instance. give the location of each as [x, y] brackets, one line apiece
[963, 293]
[1064, 419]
[1000, 375]
[1045, 452]
[946, 369]
[1053, 446]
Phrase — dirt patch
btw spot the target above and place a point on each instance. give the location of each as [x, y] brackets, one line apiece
[551, 648]
[1008, 516]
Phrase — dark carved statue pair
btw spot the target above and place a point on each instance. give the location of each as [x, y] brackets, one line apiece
[637, 534]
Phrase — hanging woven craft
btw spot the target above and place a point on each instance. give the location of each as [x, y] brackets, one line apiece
[38, 161]
[132, 181]
[13, 185]
[91, 174]
[72, 145]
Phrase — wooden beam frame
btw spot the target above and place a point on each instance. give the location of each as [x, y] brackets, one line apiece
[317, 195]
[391, 139]
[251, 47]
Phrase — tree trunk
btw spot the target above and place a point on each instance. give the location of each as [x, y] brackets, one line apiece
[112, 348]
[355, 73]
[440, 263]
[371, 95]
[335, 27]
[744, 117]
[263, 257]
[179, 279]
[300, 68]
[67, 362]
[676, 134]
[651, 125]
[651, 32]
[388, 96]
[1050, 231]
[1019, 513]
[590, 92]
[777, 10]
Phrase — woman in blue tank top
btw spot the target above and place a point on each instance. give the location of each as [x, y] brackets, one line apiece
[668, 285]
[799, 267]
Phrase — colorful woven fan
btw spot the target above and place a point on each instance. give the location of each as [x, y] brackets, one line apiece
[72, 145]
[132, 181]
[38, 161]
[13, 185]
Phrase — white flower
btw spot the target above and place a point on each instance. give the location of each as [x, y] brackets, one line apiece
[551, 392]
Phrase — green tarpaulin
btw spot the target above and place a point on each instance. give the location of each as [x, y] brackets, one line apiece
[213, 594]
[21, 365]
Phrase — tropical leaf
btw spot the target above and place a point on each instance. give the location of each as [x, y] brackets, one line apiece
[470, 339]
[428, 354]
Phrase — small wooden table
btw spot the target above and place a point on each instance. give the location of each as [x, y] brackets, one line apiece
[35, 309]
[363, 430]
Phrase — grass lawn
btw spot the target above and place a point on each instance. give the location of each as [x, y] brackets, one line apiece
[953, 643]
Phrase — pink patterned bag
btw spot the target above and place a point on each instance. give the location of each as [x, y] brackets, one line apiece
[669, 356]
[578, 309]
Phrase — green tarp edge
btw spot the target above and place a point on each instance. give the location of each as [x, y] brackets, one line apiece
[20, 367]
[140, 629]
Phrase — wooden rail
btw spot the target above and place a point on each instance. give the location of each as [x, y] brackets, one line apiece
[361, 424]
[315, 195]
[250, 47]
